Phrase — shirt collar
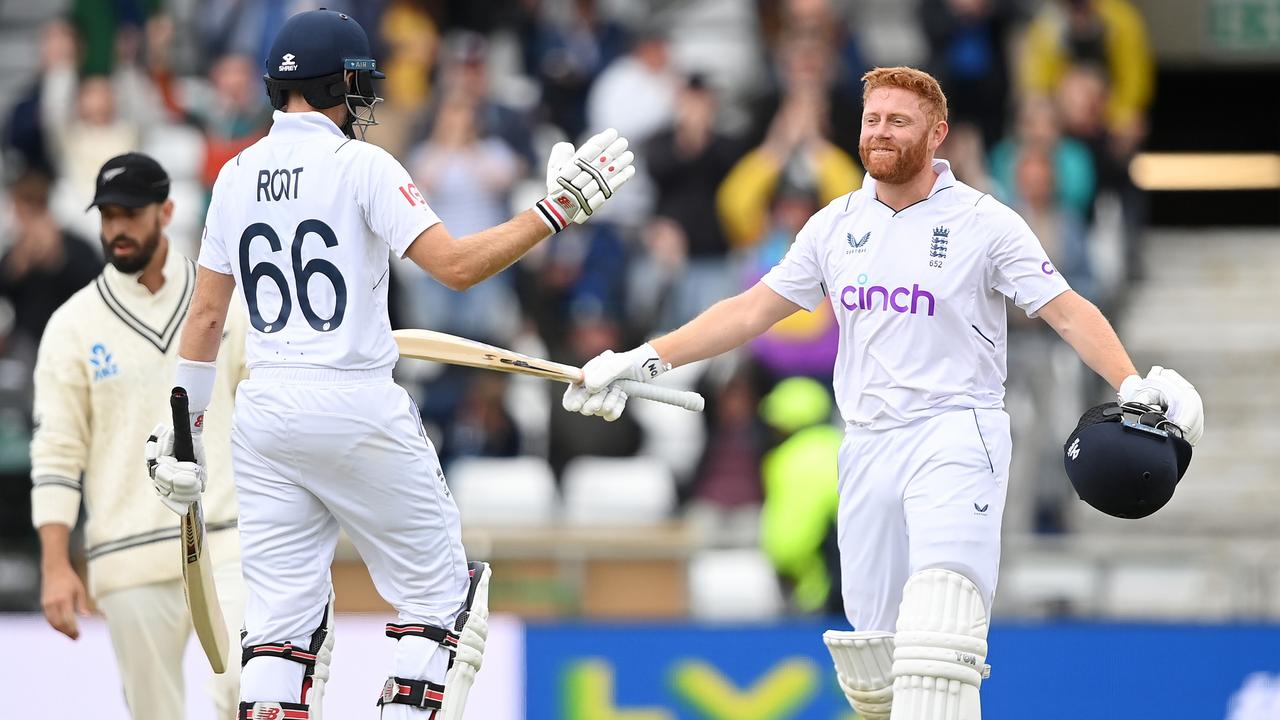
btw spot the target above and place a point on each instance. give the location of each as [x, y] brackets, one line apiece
[944, 180]
[292, 123]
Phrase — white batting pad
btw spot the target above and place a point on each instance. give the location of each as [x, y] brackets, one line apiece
[471, 642]
[864, 667]
[941, 648]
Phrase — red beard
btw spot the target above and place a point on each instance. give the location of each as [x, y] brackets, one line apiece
[895, 169]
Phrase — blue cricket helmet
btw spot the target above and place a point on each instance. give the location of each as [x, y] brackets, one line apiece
[1126, 460]
[312, 54]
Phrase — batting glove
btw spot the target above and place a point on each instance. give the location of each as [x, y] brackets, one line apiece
[578, 183]
[598, 394]
[1166, 389]
[177, 483]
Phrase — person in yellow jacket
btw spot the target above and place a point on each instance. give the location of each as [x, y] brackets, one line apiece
[800, 493]
[1108, 33]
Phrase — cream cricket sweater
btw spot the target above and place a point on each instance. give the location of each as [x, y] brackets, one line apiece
[102, 381]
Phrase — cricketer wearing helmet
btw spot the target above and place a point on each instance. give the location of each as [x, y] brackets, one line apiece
[300, 227]
[917, 267]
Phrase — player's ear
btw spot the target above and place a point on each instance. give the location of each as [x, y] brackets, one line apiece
[940, 131]
[166, 212]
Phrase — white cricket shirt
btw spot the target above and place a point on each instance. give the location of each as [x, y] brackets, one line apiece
[303, 219]
[919, 296]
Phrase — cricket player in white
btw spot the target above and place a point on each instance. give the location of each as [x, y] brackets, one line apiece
[300, 227]
[105, 361]
[917, 266]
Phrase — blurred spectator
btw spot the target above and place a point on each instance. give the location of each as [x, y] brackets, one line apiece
[1081, 99]
[968, 41]
[687, 162]
[805, 343]
[232, 111]
[567, 57]
[480, 426]
[1108, 34]
[412, 38]
[798, 521]
[573, 435]
[103, 26]
[1073, 172]
[796, 148]
[805, 73]
[1046, 381]
[727, 488]
[466, 175]
[783, 19]
[1060, 228]
[636, 92]
[636, 95]
[44, 265]
[764, 201]
[965, 150]
[89, 121]
[235, 27]
[464, 77]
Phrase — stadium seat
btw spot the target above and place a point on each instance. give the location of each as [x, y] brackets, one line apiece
[734, 585]
[612, 491]
[1168, 589]
[507, 491]
[1049, 585]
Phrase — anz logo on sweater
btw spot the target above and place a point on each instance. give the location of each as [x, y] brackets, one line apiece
[104, 365]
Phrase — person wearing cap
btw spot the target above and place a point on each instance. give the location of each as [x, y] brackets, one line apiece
[103, 369]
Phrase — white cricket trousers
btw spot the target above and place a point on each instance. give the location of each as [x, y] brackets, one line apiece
[150, 627]
[315, 450]
[929, 494]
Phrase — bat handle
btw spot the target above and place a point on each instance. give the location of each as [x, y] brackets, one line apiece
[686, 399]
[183, 447]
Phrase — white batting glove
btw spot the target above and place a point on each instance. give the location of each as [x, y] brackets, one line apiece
[177, 483]
[598, 394]
[1166, 389]
[579, 182]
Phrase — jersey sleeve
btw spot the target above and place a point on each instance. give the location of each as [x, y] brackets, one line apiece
[798, 277]
[1020, 268]
[213, 240]
[393, 206]
[60, 443]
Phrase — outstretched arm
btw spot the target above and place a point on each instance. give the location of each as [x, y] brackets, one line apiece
[578, 183]
[1084, 327]
[722, 327]
[1086, 330]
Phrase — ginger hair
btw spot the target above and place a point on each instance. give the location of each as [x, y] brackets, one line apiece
[932, 101]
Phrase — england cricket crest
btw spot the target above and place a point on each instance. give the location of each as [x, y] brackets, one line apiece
[938, 246]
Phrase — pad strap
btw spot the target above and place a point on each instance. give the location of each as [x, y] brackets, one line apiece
[418, 693]
[273, 711]
[440, 636]
[289, 651]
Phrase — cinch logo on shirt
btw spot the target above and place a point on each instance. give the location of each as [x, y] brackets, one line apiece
[879, 297]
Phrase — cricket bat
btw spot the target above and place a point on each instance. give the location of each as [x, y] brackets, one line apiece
[453, 350]
[197, 566]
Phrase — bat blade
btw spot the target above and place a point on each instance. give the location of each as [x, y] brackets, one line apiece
[453, 350]
[197, 565]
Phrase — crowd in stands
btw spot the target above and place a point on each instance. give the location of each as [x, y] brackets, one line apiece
[744, 117]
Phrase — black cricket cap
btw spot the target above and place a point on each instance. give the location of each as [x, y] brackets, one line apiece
[131, 180]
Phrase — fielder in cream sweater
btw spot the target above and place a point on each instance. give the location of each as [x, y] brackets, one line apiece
[105, 366]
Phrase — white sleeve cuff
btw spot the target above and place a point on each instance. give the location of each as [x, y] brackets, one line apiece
[55, 500]
[197, 379]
